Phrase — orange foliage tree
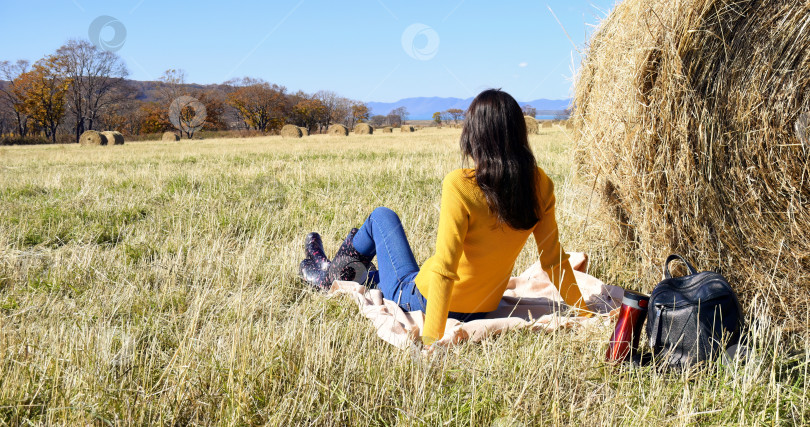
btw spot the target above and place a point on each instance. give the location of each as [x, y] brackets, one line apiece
[259, 104]
[43, 93]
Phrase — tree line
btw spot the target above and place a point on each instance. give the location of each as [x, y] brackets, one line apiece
[82, 87]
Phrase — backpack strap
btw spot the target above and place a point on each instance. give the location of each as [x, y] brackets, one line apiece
[673, 257]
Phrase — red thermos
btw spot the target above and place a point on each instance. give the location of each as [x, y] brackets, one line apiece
[628, 326]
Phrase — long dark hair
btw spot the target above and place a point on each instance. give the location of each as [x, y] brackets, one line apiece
[495, 137]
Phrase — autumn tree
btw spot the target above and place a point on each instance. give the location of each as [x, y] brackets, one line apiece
[437, 117]
[11, 101]
[260, 105]
[95, 74]
[43, 93]
[215, 105]
[456, 114]
[333, 105]
[153, 118]
[309, 113]
[360, 113]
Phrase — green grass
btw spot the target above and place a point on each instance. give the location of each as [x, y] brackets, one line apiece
[156, 283]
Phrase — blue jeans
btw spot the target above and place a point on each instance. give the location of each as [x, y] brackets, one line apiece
[382, 235]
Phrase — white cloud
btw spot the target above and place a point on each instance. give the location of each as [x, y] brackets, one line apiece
[523, 64]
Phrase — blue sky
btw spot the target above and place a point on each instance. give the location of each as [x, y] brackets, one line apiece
[371, 50]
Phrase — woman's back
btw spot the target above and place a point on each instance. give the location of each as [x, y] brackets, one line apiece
[475, 252]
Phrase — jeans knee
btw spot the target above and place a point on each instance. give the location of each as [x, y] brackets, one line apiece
[386, 213]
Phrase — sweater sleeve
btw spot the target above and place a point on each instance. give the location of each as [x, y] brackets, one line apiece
[441, 268]
[552, 257]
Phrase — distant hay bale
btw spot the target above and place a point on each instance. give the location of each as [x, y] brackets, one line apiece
[686, 115]
[387, 129]
[338, 130]
[113, 137]
[531, 125]
[406, 128]
[170, 136]
[304, 131]
[547, 123]
[363, 129]
[291, 131]
[91, 137]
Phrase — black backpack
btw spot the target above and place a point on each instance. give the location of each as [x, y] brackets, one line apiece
[692, 318]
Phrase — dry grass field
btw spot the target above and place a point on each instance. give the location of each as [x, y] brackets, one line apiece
[155, 283]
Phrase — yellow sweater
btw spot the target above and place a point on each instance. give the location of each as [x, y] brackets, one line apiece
[475, 256]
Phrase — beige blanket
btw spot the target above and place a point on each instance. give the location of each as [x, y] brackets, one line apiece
[530, 301]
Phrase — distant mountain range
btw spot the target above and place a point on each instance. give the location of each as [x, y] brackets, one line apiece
[422, 108]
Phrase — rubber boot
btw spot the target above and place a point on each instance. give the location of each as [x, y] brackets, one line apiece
[348, 264]
[313, 268]
[313, 249]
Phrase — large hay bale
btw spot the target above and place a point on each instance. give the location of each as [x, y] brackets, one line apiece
[686, 114]
[406, 128]
[363, 129]
[113, 137]
[532, 128]
[387, 129]
[91, 137]
[547, 123]
[338, 130]
[291, 131]
[304, 131]
[170, 136]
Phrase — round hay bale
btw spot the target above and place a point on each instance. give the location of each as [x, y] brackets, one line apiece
[387, 129]
[113, 137]
[532, 128]
[363, 129]
[547, 123]
[338, 130]
[291, 131]
[170, 136]
[688, 123]
[304, 131]
[91, 137]
[406, 128]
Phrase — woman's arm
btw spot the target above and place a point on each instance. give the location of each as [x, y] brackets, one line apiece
[441, 269]
[552, 257]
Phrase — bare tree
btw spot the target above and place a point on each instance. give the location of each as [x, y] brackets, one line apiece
[95, 75]
[331, 101]
[11, 102]
[172, 85]
[528, 110]
[402, 112]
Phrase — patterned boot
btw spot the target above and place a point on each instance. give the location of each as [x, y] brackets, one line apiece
[348, 264]
[313, 268]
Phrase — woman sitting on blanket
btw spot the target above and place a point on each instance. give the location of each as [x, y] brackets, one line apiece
[487, 214]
